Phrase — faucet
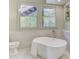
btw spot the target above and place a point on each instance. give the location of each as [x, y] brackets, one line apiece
[54, 33]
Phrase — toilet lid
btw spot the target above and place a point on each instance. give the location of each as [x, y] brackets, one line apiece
[53, 42]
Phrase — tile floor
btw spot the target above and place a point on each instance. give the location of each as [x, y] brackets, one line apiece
[25, 54]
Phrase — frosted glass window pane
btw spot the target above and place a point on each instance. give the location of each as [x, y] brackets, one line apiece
[28, 22]
[28, 16]
[49, 12]
[49, 22]
[49, 17]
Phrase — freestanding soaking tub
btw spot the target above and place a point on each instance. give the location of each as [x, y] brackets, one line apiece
[47, 47]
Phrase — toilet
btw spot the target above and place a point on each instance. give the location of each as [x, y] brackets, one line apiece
[13, 47]
[48, 48]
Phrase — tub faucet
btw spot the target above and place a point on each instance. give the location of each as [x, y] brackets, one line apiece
[54, 33]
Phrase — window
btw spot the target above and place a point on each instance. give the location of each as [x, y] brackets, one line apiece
[29, 19]
[28, 16]
[49, 17]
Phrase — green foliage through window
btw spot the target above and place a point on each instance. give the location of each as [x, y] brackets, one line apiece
[28, 17]
[49, 17]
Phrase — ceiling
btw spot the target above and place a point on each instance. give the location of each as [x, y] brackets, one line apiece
[62, 2]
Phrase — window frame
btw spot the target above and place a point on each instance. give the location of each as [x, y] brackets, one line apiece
[39, 22]
[48, 7]
[28, 4]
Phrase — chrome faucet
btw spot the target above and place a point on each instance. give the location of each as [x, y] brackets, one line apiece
[54, 33]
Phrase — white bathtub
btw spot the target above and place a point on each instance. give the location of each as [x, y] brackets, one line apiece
[48, 47]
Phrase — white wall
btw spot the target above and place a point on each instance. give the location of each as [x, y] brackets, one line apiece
[26, 36]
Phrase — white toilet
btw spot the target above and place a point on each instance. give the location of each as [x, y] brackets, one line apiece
[48, 48]
[13, 47]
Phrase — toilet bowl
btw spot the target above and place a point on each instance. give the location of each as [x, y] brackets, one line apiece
[13, 47]
[49, 48]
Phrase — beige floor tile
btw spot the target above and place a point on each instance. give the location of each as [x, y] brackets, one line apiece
[25, 54]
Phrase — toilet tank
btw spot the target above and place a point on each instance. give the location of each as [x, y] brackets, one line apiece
[67, 38]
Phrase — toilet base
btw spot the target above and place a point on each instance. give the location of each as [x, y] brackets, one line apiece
[13, 50]
[13, 47]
